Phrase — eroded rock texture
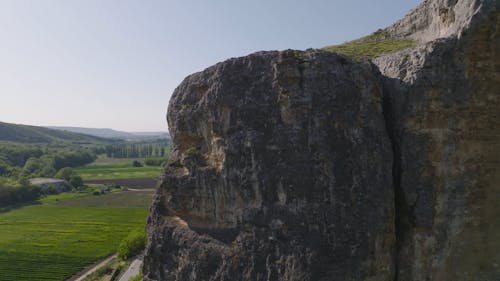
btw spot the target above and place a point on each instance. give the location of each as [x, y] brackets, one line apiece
[444, 98]
[309, 166]
[281, 171]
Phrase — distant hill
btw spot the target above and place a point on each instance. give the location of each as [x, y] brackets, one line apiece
[34, 134]
[110, 133]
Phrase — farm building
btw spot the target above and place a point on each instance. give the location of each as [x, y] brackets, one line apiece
[59, 185]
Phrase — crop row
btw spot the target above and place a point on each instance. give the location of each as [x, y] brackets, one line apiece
[49, 242]
[22, 266]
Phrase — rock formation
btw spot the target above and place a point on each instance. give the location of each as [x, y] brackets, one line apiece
[282, 171]
[310, 166]
[444, 99]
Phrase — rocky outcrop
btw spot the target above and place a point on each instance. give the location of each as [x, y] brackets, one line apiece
[309, 166]
[444, 99]
[281, 171]
[434, 19]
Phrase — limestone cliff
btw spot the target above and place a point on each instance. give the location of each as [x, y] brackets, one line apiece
[444, 99]
[282, 171]
[309, 166]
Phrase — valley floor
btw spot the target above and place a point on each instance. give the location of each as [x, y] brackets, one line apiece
[59, 236]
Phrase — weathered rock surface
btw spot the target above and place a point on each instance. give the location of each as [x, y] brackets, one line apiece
[444, 99]
[309, 166]
[281, 171]
[434, 19]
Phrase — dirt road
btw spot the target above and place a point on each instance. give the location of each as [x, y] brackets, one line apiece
[91, 269]
[132, 270]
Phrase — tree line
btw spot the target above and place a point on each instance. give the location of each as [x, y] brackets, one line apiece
[21, 162]
[28, 161]
[11, 195]
[157, 148]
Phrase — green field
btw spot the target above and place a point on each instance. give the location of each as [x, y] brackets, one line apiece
[113, 169]
[133, 199]
[65, 232]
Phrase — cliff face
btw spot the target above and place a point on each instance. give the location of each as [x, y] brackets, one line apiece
[282, 171]
[444, 99]
[434, 19]
[309, 166]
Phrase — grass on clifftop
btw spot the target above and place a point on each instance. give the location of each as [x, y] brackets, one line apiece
[371, 46]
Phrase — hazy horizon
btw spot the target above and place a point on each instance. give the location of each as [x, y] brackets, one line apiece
[114, 64]
[98, 128]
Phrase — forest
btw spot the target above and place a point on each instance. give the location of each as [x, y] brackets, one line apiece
[144, 149]
[20, 162]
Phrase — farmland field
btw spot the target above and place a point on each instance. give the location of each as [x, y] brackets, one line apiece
[65, 232]
[132, 183]
[116, 170]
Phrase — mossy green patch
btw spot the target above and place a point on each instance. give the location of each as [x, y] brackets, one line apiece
[371, 46]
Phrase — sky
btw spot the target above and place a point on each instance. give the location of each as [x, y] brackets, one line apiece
[114, 64]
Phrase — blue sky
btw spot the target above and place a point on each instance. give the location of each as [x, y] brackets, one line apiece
[114, 64]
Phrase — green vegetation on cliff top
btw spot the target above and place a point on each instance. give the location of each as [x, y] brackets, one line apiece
[371, 46]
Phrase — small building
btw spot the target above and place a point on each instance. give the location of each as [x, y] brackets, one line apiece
[105, 189]
[45, 183]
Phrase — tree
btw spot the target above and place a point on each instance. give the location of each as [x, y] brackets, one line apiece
[65, 173]
[47, 171]
[51, 190]
[4, 167]
[156, 161]
[132, 245]
[76, 180]
[31, 167]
